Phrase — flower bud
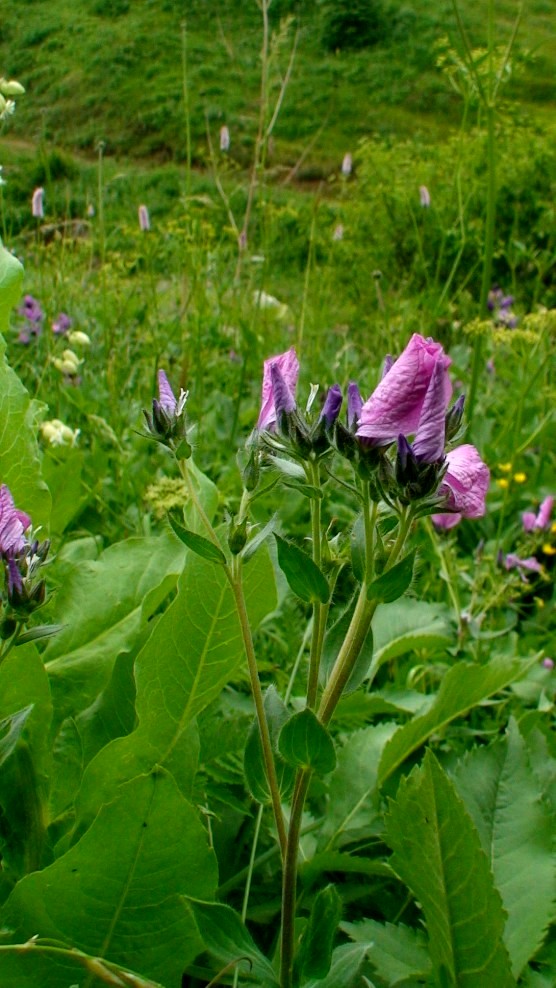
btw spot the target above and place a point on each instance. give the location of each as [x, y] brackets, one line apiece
[237, 537]
[11, 87]
[454, 418]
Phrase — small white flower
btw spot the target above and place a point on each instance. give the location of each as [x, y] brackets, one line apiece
[69, 363]
[57, 434]
[7, 109]
[77, 338]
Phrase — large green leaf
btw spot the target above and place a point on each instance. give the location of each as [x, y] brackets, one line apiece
[19, 416]
[103, 605]
[228, 940]
[438, 854]
[305, 743]
[26, 764]
[397, 953]
[463, 687]
[192, 653]
[504, 799]
[352, 787]
[37, 965]
[407, 625]
[117, 893]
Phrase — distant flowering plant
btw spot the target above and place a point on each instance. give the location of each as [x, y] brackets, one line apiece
[347, 164]
[538, 522]
[224, 138]
[424, 196]
[37, 203]
[30, 310]
[21, 557]
[61, 324]
[144, 218]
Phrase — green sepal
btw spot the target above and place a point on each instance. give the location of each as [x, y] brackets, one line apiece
[303, 575]
[305, 743]
[197, 543]
[394, 582]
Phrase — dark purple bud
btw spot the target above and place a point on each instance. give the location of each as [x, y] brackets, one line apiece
[332, 405]
[284, 399]
[15, 582]
[355, 404]
[454, 418]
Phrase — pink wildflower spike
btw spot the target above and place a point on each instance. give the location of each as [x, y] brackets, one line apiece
[545, 511]
[528, 520]
[167, 398]
[532, 565]
[396, 405]
[144, 218]
[424, 196]
[347, 164]
[13, 523]
[224, 138]
[287, 366]
[37, 204]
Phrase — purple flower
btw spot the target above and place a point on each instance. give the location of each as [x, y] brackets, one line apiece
[167, 421]
[166, 397]
[332, 405]
[37, 205]
[424, 196]
[464, 486]
[13, 524]
[531, 521]
[430, 438]
[144, 218]
[355, 404]
[280, 375]
[531, 565]
[62, 324]
[397, 404]
[31, 310]
[548, 663]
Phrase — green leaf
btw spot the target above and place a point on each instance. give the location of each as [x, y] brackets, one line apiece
[308, 490]
[315, 951]
[305, 743]
[348, 963]
[408, 625]
[437, 853]
[253, 762]
[397, 953]
[303, 575]
[62, 472]
[37, 965]
[193, 651]
[347, 864]
[394, 582]
[104, 604]
[38, 633]
[505, 802]
[197, 543]
[227, 939]
[352, 788]
[117, 893]
[11, 729]
[11, 280]
[464, 686]
[250, 549]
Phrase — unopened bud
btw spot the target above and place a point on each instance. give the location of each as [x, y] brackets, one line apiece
[454, 418]
[9, 87]
[237, 537]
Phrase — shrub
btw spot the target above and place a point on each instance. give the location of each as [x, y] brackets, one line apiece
[352, 24]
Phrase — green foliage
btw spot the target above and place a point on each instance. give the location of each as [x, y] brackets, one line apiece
[352, 24]
[394, 582]
[397, 953]
[305, 743]
[226, 938]
[315, 951]
[440, 858]
[303, 575]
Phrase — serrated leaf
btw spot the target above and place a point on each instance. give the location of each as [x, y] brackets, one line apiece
[397, 953]
[394, 582]
[253, 761]
[505, 801]
[117, 893]
[303, 575]
[305, 743]
[197, 543]
[438, 854]
[464, 686]
[315, 950]
[227, 939]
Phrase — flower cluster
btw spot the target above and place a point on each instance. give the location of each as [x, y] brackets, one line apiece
[8, 89]
[33, 316]
[409, 408]
[21, 559]
[501, 307]
[536, 528]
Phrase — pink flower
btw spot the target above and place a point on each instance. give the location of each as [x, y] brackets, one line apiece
[13, 523]
[464, 486]
[396, 405]
[279, 383]
[37, 205]
[531, 521]
[424, 196]
[224, 138]
[532, 565]
[347, 164]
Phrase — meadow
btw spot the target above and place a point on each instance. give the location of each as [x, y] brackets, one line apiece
[277, 481]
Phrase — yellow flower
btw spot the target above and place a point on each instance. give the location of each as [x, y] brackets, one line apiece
[503, 482]
[505, 467]
[549, 550]
[520, 478]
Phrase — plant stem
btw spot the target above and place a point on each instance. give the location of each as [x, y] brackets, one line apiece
[319, 610]
[289, 880]
[236, 583]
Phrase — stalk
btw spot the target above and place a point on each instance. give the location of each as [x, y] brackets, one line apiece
[319, 610]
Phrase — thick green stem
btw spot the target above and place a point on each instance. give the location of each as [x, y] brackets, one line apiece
[266, 743]
[319, 610]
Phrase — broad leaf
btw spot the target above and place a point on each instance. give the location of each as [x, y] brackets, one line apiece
[104, 604]
[438, 854]
[253, 762]
[504, 799]
[303, 575]
[397, 953]
[348, 963]
[305, 743]
[394, 582]
[406, 626]
[464, 686]
[227, 939]
[37, 965]
[192, 653]
[118, 892]
[352, 788]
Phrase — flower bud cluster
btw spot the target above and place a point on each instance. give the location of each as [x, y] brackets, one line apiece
[395, 441]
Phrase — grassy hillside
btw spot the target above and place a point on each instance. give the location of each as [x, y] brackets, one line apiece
[112, 70]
